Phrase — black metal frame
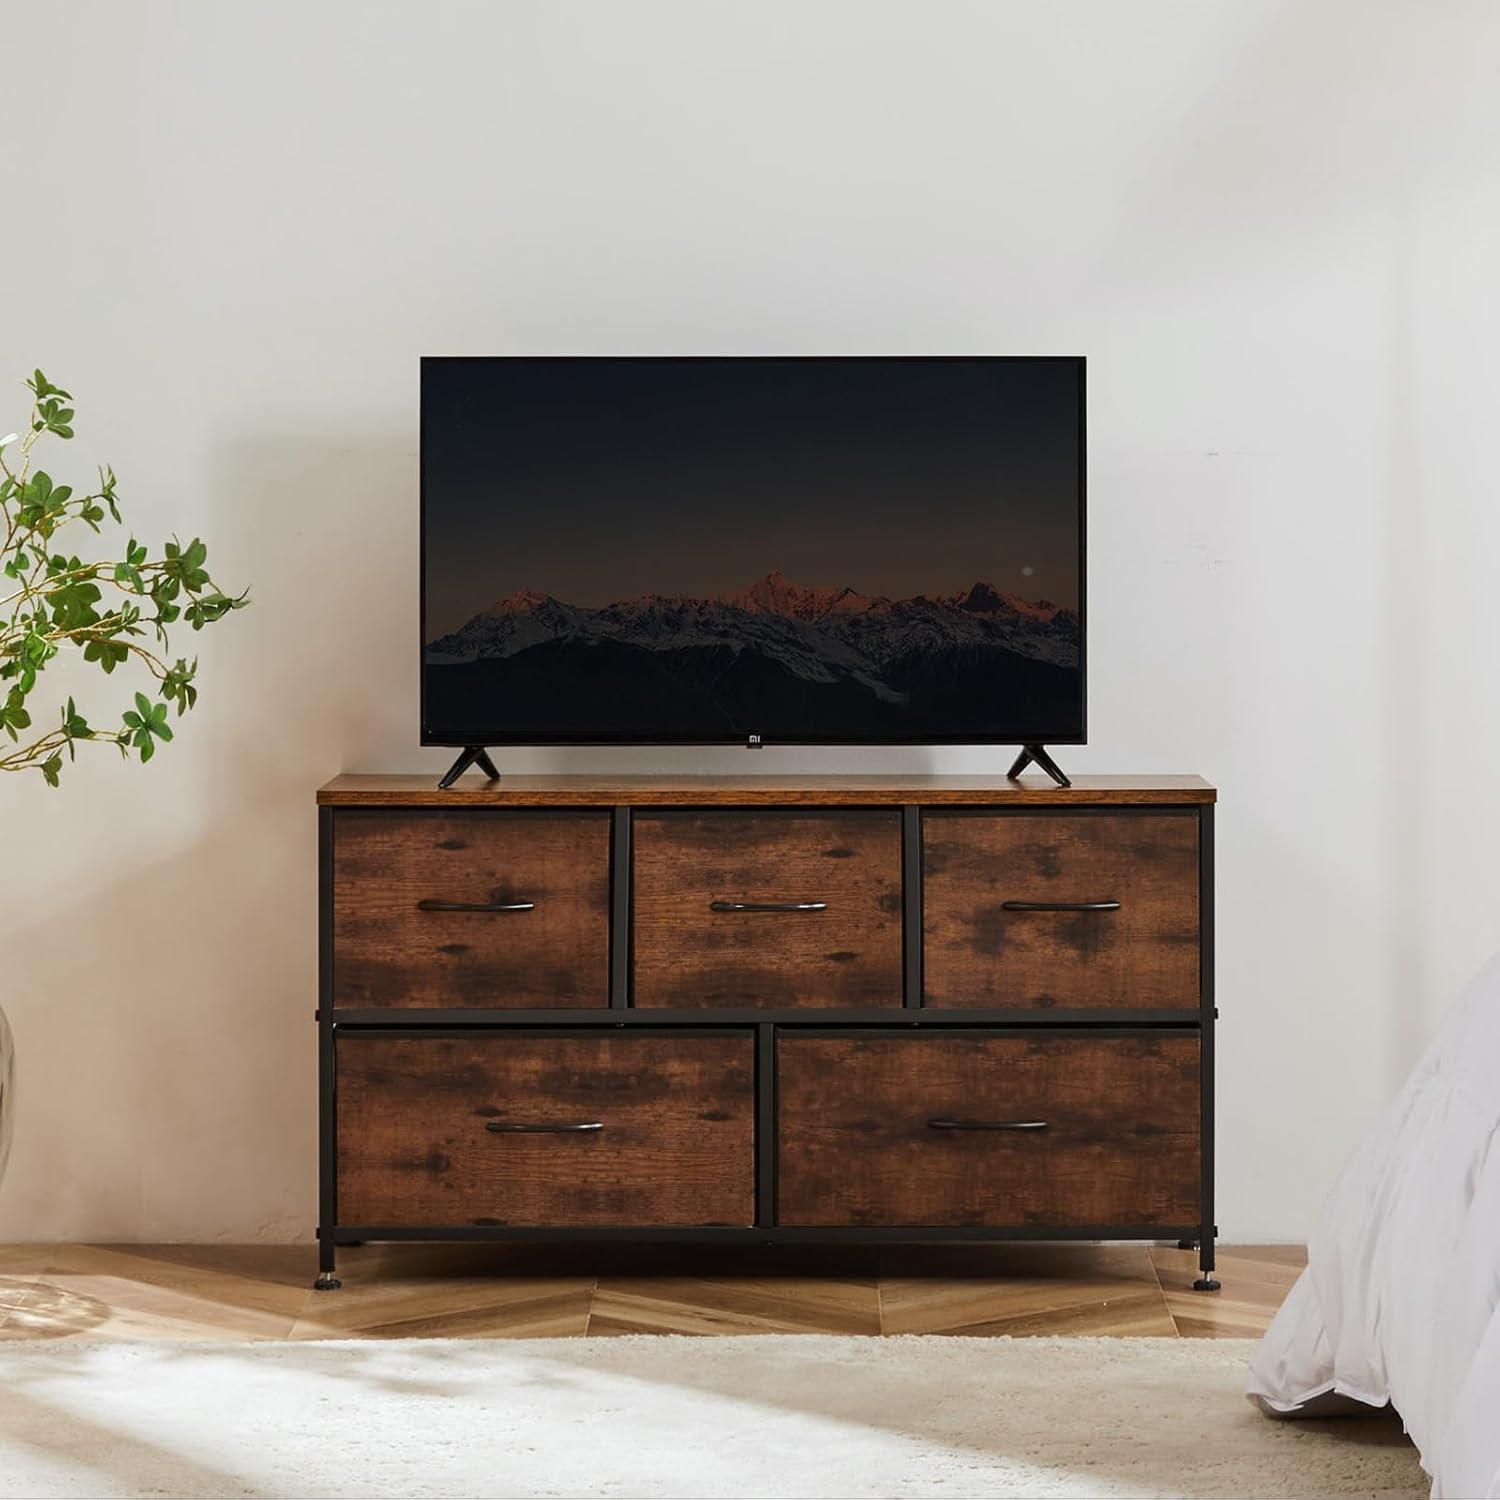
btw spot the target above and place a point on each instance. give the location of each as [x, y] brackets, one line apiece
[327, 1115]
[1208, 1230]
[619, 1013]
[480, 736]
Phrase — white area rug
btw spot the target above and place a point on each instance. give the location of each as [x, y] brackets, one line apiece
[648, 1416]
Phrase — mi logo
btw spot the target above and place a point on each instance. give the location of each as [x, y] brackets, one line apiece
[754, 743]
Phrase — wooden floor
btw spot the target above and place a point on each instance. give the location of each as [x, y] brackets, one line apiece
[438, 1291]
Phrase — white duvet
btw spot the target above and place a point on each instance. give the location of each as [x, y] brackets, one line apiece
[1399, 1299]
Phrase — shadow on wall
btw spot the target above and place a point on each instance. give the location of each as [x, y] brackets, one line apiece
[1273, 1076]
[1320, 127]
[329, 535]
[164, 1014]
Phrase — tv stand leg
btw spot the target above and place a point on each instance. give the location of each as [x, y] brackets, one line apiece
[1207, 1281]
[327, 1281]
[474, 755]
[1036, 755]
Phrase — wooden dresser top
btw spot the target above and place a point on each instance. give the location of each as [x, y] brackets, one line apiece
[744, 791]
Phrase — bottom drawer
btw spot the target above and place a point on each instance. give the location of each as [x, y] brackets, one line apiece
[987, 1129]
[546, 1129]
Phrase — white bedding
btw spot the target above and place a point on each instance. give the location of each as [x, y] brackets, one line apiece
[1399, 1299]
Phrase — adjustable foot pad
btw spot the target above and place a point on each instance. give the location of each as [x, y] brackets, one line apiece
[1205, 1284]
[327, 1282]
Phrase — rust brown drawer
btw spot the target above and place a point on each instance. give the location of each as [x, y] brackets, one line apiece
[767, 908]
[1054, 909]
[540, 1128]
[999, 1130]
[505, 909]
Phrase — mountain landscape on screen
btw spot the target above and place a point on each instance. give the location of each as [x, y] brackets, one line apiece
[832, 662]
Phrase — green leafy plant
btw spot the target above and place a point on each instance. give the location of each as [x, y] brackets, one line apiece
[112, 611]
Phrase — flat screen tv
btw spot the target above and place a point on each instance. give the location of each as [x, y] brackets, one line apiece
[768, 550]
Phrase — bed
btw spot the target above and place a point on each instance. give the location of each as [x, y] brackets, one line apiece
[1399, 1299]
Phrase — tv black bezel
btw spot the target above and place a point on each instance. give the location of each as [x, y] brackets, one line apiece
[510, 739]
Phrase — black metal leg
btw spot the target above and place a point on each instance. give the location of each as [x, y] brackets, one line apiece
[1206, 1282]
[473, 755]
[1208, 1229]
[1037, 755]
[327, 1281]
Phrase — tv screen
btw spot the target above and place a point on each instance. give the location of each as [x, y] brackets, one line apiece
[742, 550]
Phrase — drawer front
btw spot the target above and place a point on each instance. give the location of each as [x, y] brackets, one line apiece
[466, 1130]
[537, 929]
[888, 1130]
[1050, 910]
[828, 928]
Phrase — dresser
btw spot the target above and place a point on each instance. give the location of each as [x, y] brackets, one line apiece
[766, 1010]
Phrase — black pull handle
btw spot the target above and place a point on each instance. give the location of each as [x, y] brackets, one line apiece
[430, 905]
[1059, 906]
[987, 1124]
[504, 1127]
[768, 906]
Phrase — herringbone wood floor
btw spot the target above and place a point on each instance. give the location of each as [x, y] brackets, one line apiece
[416, 1291]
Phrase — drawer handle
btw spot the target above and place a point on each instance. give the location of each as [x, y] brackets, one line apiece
[768, 906]
[987, 1124]
[1059, 906]
[503, 1127]
[430, 905]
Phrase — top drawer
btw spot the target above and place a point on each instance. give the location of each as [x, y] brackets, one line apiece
[768, 908]
[1054, 909]
[475, 908]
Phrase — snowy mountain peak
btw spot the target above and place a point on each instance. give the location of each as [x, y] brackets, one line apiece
[523, 601]
[986, 599]
[776, 594]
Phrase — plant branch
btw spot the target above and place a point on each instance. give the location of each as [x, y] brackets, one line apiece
[55, 605]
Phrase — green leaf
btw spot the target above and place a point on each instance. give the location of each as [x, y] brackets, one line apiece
[109, 654]
[50, 767]
[184, 565]
[44, 387]
[36, 649]
[13, 713]
[178, 685]
[75, 726]
[73, 604]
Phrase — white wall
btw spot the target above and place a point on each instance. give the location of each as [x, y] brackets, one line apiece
[1273, 228]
